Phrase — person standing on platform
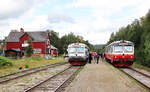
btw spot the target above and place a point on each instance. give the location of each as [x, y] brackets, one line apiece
[97, 57]
[93, 57]
[90, 57]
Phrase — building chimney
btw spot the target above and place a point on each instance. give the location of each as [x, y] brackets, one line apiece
[21, 30]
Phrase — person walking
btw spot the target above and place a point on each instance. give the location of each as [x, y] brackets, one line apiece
[93, 54]
[90, 58]
[97, 57]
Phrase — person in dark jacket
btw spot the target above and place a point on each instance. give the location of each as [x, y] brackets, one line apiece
[90, 58]
[97, 57]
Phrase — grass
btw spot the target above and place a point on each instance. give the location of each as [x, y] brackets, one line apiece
[141, 66]
[5, 62]
[28, 63]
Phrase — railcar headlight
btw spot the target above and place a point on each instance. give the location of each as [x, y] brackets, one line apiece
[131, 57]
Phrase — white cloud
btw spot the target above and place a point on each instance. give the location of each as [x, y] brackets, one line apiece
[14, 8]
[104, 16]
[37, 23]
[59, 17]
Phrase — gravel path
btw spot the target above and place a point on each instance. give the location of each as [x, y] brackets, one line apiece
[27, 81]
[53, 84]
[103, 78]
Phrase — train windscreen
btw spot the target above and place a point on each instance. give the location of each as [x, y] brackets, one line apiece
[128, 48]
[77, 49]
[118, 48]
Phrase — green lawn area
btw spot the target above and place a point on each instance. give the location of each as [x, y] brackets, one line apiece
[28, 63]
[141, 66]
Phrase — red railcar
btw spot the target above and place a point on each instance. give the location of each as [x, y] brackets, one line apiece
[120, 53]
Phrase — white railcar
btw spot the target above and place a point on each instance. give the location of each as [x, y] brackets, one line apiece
[78, 53]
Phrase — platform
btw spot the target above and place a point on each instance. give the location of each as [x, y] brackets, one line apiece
[103, 77]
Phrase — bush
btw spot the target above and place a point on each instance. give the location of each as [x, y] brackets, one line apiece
[29, 49]
[26, 66]
[5, 62]
[34, 58]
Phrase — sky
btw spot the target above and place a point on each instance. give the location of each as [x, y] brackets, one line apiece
[95, 20]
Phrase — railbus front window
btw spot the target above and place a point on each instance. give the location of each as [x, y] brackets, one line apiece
[118, 48]
[77, 49]
[71, 50]
[80, 49]
[128, 48]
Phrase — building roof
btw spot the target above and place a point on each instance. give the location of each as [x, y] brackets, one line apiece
[38, 36]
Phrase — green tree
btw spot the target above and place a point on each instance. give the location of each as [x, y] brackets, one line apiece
[71, 38]
[112, 36]
[29, 49]
[63, 42]
[54, 39]
[89, 45]
[1, 48]
[66, 40]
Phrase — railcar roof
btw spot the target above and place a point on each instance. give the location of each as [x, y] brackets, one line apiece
[121, 41]
[77, 44]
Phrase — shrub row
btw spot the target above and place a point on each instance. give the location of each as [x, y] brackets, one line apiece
[5, 62]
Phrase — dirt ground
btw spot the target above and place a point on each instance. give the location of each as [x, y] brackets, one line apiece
[103, 77]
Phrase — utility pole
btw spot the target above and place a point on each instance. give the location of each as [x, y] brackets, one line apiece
[4, 44]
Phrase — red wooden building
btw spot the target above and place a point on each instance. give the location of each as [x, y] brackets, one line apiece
[19, 41]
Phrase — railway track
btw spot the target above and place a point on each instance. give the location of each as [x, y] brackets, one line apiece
[56, 83]
[13, 76]
[142, 78]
